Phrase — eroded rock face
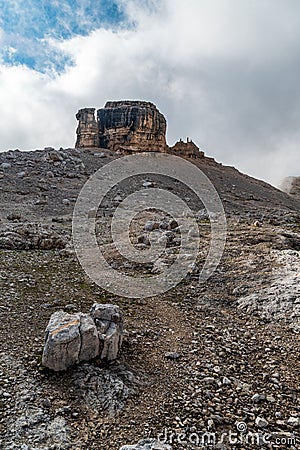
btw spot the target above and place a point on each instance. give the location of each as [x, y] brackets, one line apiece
[87, 130]
[62, 341]
[109, 323]
[132, 126]
[124, 126]
[72, 338]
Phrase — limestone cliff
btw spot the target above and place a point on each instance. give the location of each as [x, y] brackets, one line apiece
[129, 126]
[132, 126]
[125, 126]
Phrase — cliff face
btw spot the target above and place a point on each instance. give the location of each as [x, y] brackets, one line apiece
[126, 126]
[132, 126]
[129, 127]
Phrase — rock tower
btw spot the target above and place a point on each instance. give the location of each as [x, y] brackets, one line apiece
[123, 126]
[87, 130]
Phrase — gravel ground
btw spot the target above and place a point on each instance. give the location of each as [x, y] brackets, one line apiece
[192, 362]
[220, 358]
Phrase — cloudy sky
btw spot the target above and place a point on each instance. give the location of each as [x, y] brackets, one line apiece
[226, 73]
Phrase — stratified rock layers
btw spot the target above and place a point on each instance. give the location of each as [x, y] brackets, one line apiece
[128, 125]
[125, 126]
[87, 130]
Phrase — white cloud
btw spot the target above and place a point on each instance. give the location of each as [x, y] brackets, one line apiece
[224, 73]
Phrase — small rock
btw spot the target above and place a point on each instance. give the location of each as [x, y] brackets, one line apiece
[208, 380]
[275, 375]
[151, 225]
[92, 213]
[164, 225]
[173, 224]
[143, 239]
[14, 216]
[202, 214]
[71, 307]
[46, 403]
[172, 355]
[55, 155]
[148, 184]
[6, 395]
[261, 422]
[5, 166]
[226, 381]
[257, 398]
[293, 421]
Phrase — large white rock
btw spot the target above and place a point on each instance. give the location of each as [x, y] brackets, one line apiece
[72, 338]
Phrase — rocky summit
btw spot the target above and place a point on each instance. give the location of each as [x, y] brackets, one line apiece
[200, 361]
[129, 126]
[123, 125]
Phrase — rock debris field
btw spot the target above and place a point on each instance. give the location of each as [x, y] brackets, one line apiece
[217, 361]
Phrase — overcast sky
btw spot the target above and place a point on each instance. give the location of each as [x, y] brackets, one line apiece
[225, 73]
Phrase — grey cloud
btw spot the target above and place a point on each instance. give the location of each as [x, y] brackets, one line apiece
[225, 73]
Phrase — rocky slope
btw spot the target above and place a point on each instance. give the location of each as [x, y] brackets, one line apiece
[43, 185]
[219, 357]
